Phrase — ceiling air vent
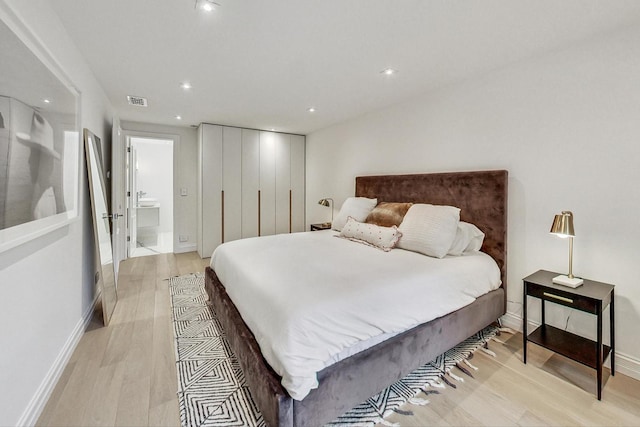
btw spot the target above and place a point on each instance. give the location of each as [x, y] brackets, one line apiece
[137, 100]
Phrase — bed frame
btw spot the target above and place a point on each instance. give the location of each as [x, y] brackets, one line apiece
[482, 198]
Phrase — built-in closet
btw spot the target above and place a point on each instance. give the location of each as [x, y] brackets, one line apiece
[250, 183]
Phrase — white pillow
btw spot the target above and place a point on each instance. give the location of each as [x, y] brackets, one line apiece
[468, 238]
[429, 229]
[356, 207]
[384, 238]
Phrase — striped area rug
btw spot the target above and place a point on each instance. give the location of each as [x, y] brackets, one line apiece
[211, 386]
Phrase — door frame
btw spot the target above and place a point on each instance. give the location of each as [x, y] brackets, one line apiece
[126, 142]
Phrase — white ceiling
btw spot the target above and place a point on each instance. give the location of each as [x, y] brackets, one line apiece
[262, 63]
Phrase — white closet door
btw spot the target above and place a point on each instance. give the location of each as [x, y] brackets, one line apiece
[282, 148]
[250, 181]
[267, 184]
[232, 183]
[297, 183]
[210, 220]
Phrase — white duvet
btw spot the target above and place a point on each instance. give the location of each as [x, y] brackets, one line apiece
[312, 298]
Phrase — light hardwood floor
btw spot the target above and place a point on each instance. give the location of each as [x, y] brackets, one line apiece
[125, 375]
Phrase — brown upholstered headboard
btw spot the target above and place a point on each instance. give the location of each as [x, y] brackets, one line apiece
[480, 195]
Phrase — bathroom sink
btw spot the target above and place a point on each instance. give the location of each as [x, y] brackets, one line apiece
[146, 202]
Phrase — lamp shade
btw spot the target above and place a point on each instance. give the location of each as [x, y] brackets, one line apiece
[563, 225]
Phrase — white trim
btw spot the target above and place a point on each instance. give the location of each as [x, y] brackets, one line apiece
[628, 365]
[625, 364]
[513, 321]
[184, 249]
[126, 135]
[35, 407]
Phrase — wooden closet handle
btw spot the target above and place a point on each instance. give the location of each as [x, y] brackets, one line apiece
[259, 212]
[290, 211]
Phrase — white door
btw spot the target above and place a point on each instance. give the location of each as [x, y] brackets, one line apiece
[267, 200]
[282, 152]
[250, 181]
[232, 183]
[297, 183]
[118, 197]
[132, 224]
[210, 188]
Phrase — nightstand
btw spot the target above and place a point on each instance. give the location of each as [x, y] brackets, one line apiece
[592, 297]
[323, 226]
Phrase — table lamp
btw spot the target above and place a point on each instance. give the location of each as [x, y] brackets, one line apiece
[563, 227]
[327, 202]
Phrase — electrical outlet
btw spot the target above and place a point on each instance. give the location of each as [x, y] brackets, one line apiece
[183, 192]
[184, 238]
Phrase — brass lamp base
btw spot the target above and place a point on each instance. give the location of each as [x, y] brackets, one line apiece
[572, 282]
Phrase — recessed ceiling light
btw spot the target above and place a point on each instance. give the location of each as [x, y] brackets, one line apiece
[311, 109]
[46, 101]
[186, 85]
[207, 5]
[389, 72]
[272, 129]
[178, 117]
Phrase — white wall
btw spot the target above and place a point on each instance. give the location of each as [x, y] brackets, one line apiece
[185, 159]
[566, 126]
[46, 285]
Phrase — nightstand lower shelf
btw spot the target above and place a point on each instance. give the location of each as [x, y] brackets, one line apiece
[575, 347]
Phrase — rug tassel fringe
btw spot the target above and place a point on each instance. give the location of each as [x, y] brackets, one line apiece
[497, 340]
[436, 383]
[418, 401]
[463, 369]
[449, 383]
[403, 412]
[507, 330]
[455, 377]
[489, 352]
[385, 422]
[466, 362]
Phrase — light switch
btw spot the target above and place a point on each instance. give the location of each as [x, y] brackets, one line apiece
[183, 192]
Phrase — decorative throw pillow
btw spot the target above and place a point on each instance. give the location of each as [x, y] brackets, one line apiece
[429, 229]
[384, 238]
[356, 207]
[388, 214]
[468, 238]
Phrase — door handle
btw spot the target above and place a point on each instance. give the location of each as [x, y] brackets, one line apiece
[112, 217]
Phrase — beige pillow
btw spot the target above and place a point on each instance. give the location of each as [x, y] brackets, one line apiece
[384, 238]
[356, 207]
[388, 214]
[429, 229]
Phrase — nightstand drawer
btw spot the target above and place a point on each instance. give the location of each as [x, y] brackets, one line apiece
[578, 302]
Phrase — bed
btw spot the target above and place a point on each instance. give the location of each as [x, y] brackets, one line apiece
[482, 198]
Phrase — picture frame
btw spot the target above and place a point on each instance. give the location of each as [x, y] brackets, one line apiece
[40, 141]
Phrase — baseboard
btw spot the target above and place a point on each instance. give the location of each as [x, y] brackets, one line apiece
[36, 405]
[625, 364]
[184, 249]
[512, 321]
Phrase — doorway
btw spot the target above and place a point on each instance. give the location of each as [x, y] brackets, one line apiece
[150, 195]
